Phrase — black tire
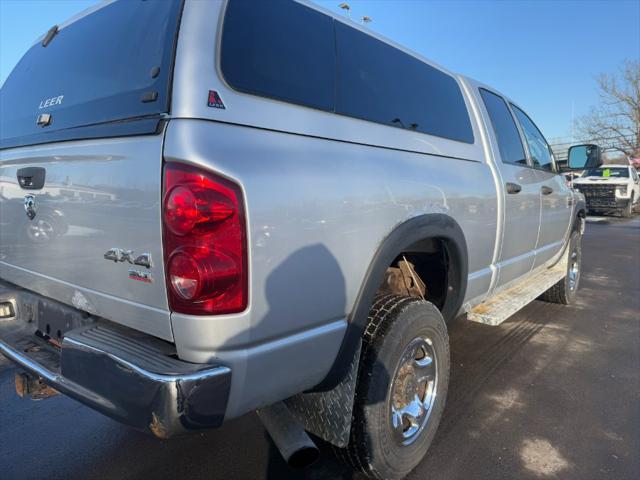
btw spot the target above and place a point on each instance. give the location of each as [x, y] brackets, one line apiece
[564, 292]
[627, 211]
[395, 324]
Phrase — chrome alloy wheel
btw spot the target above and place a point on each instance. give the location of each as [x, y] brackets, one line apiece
[413, 390]
[574, 268]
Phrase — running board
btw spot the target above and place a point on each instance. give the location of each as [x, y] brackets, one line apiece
[502, 305]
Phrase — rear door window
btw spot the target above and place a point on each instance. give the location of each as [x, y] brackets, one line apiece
[279, 49]
[110, 65]
[505, 129]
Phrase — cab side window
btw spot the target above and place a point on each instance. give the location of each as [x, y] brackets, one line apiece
[538, 147]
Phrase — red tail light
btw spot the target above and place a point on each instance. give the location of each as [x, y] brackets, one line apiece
[204, 242]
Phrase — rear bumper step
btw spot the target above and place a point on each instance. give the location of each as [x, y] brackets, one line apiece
[125, 374]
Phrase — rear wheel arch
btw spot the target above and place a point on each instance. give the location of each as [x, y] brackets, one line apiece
[410, 235]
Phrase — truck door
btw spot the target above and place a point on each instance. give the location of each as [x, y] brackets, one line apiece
[555, 196]
[520, 191]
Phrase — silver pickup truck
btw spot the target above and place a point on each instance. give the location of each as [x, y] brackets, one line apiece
[211, 208]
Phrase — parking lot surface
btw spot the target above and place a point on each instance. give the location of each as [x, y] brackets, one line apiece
[554, 392]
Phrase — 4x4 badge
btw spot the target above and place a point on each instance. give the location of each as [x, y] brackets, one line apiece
[30, 206]
[122, 255]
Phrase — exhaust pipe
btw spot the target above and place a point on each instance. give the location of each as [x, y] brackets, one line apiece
[294, 444]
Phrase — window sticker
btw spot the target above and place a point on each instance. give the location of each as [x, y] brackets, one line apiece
[214, 100]
[606, 172]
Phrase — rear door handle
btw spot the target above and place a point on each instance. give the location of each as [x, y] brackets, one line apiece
[546, 190]
[513, 188]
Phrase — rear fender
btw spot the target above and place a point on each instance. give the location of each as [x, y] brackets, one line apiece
[423, 227]
[334, 396]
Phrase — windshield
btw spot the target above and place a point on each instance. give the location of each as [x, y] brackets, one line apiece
[112, 64]
[619, 172]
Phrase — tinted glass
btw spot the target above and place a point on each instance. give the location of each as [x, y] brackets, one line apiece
[94, 70]
[380, 83]
[538, 146]
[504, 126]
[279, 49]
[607, 172]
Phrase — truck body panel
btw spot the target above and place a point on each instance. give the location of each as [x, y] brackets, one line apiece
[313, 234]
[98, 195]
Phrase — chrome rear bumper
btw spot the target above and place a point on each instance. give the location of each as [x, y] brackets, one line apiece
[127, 375]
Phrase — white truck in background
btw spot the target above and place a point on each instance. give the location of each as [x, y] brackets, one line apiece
[610, 188]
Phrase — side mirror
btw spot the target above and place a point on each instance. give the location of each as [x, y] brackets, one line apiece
[583, 157]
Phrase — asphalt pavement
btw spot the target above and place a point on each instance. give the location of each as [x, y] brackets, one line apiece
[553, 393]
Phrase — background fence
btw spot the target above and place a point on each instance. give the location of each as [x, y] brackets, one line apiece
[560, 147]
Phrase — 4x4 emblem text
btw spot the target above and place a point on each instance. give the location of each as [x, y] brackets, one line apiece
[122, 255]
